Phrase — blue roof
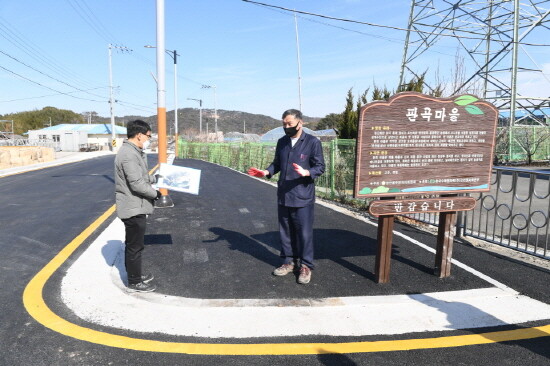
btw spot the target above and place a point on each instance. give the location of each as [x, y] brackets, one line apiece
[92, 129]
[542, 112]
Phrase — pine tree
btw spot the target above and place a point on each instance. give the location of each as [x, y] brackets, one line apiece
[348, 127]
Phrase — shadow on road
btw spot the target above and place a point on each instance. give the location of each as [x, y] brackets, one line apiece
[111, 252]
[331, 244]
[335, 359]
[109, 178]
[467, 317]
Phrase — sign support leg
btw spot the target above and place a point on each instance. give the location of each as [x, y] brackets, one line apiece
[445, 238]
[383, 254]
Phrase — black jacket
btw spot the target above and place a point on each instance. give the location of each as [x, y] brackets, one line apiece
[293, 189]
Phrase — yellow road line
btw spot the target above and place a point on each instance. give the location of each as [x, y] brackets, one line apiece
[34, 303]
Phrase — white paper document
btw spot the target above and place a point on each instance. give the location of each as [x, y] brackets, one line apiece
[179, 178]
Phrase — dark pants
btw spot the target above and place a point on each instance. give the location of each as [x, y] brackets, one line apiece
[135, 233]
[296, 233]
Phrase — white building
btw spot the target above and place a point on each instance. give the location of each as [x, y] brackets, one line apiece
[74, 137]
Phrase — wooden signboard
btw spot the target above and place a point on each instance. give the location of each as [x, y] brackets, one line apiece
[417, 144]
[414, 144]
[411, 206]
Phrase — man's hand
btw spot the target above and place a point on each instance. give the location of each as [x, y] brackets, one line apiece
[298, 169]
[256, 172]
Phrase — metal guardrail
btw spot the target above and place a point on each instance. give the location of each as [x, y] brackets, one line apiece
[515, 212]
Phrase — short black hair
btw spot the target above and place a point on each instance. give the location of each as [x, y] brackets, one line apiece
[292, 112]
[137, 126]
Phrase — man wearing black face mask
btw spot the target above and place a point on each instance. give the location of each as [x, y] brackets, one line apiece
[299, 159]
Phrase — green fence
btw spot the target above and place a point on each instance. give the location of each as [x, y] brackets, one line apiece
[339, 160]
[533, 139]
[338, 180]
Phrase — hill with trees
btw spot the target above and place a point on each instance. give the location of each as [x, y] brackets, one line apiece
[188, 120]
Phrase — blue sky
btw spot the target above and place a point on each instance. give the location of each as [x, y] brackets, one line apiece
[247, 51]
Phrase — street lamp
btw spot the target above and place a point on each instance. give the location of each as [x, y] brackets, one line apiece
[200, 113]
[215, 108]
[174, 56]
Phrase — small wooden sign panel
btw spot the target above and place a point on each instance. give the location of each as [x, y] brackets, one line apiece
[412, 206]
[417, 144]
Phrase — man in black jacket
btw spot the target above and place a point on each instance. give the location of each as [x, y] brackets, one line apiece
[299, 159]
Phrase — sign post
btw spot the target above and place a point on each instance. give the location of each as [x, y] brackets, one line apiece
[415, 145]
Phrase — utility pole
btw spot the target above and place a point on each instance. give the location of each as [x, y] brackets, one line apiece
[111, 101]
[299, 65]
[200, 113]
[174, 56]
[111, 96]
[215, 107]
[164, 201]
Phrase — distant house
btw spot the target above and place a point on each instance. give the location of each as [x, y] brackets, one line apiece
[74, 137]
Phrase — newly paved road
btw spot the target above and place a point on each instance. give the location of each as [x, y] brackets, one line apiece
[222, 244]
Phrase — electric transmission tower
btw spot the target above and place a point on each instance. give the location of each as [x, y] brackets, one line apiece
[500, 39]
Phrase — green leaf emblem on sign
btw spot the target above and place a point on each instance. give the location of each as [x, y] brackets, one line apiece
[365, 190]
[465, 100]
[472, 109]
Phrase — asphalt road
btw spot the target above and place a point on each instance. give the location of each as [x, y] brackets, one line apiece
[45, 209]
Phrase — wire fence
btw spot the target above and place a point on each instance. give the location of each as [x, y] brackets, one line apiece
[525, 143]
[339, 160]
[504, 227]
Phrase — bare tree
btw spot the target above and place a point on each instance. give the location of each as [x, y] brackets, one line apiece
[530, 139]
[502, 144]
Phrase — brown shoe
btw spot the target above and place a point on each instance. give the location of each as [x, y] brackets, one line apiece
[284, 269]
[305, 275]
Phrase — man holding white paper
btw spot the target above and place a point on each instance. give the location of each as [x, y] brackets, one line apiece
[134, 200]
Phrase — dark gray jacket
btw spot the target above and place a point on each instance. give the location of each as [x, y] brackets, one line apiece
[133, 191]
[294, 190]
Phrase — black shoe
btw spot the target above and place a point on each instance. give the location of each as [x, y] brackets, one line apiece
[147, 278]
[141, 287]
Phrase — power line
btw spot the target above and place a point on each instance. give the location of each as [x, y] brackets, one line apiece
[395, 40]
[13, 36]
[51, 77]
[98, 21]
[138, 107]
[389, 26]
[94, 24]
[168, 69]
[47, 87]
[45, 96]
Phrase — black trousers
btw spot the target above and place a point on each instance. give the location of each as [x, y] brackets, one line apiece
[296, 233]
[135, 236]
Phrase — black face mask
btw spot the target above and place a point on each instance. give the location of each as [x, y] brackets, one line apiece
[291, 131]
